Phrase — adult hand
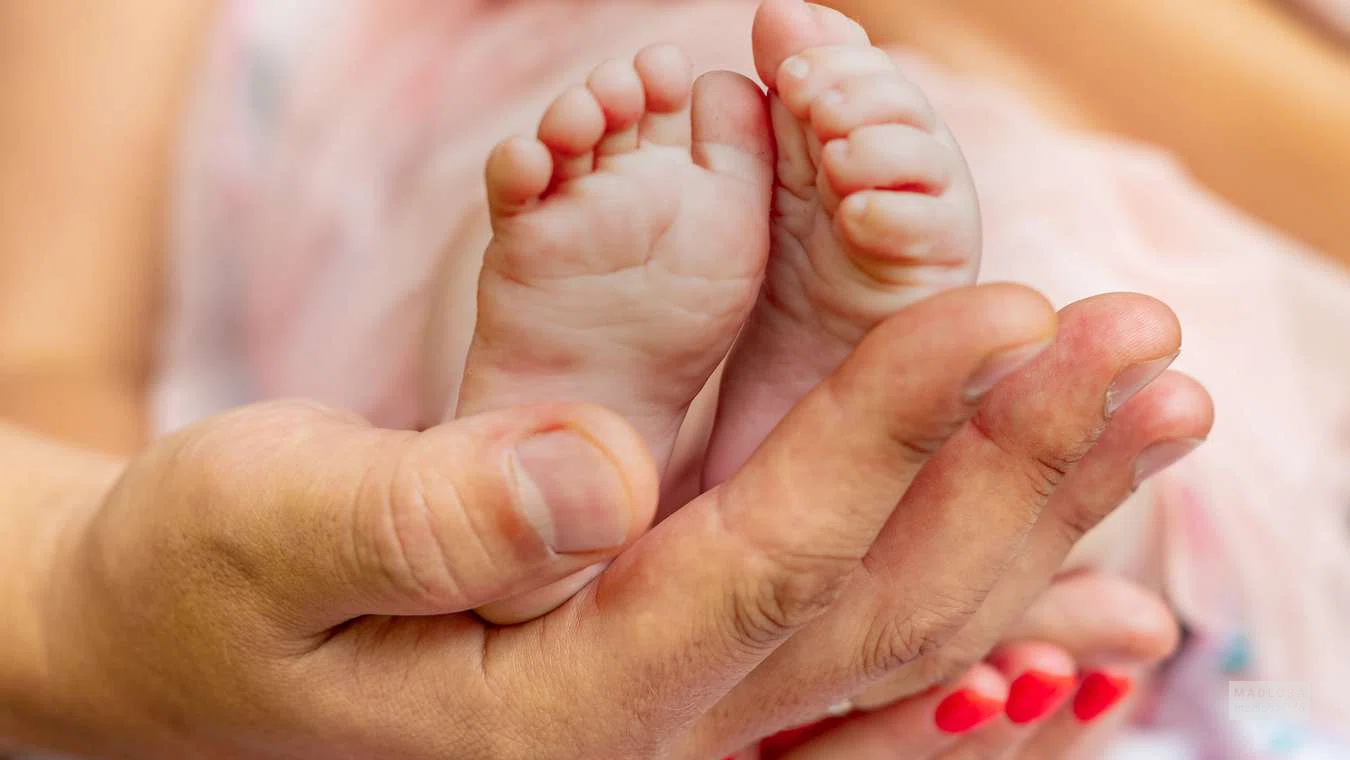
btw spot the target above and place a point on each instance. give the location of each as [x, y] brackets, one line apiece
[1059, 687]
[221, 600]
[284, 581]
[1050, 453]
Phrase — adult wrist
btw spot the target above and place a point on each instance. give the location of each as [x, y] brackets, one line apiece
[48, 492]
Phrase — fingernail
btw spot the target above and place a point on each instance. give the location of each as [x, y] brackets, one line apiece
[1133, 380]
[964, 710]
[796, 67]
[1160, 456]
[1099, 693]
[570, 491]
[997, 368]
[1034, 694]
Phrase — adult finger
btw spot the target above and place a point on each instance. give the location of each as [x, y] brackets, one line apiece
[1041, 677]
[1084, 619]
[919, 728]
[1098, 712]
[1172, 415]
[983, 492]
[720, 584]
[1101, 620]
[335, 519]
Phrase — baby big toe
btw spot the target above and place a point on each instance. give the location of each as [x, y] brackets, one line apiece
[518, 172]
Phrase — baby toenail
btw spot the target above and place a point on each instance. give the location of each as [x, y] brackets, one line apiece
[832, 98]
[858, 206]
[796, 67]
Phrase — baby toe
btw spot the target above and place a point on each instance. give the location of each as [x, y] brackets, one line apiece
[571, 128]
[890, 157]
[619, 91]
[806, 76]
[870, 100]
[894, 235]
[518, 172]
[668, 80]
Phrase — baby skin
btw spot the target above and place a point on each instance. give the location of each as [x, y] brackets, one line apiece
[655, 221]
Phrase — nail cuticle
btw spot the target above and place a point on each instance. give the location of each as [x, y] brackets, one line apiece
[1002, 365]
[1134, 379]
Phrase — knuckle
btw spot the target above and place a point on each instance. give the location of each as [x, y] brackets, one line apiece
[1045, 471]
[1042, 461]
[1042, 477]
[918, 637]
[404, 545]
[790, 591]
[894, 645]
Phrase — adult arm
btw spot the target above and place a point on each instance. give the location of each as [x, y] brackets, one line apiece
[89, 97]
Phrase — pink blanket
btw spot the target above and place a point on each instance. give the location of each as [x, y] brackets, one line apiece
[331, 207]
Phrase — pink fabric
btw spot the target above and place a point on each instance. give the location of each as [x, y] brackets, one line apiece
[331, 199]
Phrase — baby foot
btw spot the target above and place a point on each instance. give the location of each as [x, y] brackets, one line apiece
[873, 209]
[629, 245]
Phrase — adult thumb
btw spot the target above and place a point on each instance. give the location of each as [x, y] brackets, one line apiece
[341, 519]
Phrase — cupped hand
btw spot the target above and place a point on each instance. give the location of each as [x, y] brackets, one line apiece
[289, 582]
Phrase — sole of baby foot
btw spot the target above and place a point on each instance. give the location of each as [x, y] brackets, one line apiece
[874, 209]
[630, 239]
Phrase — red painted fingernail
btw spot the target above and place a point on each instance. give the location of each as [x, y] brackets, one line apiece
[1099, 693]
[1035, 693]
[964, 710]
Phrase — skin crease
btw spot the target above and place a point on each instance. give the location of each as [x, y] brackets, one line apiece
[78, 373]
